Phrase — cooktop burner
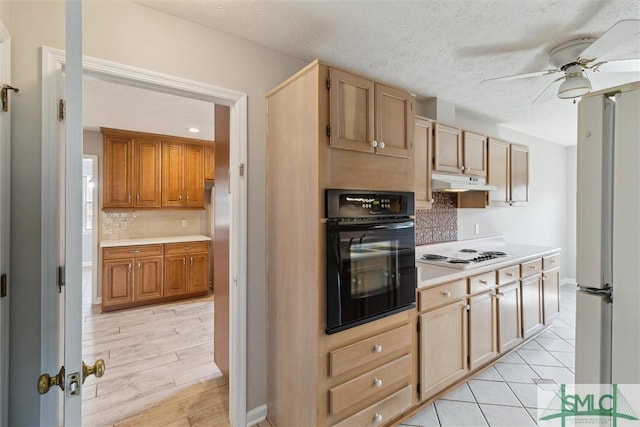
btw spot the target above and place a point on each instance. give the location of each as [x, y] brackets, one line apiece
[433, 257]
[459, 261]
[493, 253]
[468, 251]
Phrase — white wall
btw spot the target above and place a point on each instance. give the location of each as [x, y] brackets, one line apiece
[134, 35]
[549, 217]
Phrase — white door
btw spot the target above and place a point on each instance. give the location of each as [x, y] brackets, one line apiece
[5, 155]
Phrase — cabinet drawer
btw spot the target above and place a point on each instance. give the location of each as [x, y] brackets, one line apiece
[360, 388]
[381, 412]
[551, 261]
[346, 358]
[508, 274]
[185, 248]
[530, 268]
[441, 295]
[131, 251]
[482, 282]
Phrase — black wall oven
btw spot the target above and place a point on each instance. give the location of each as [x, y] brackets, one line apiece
[370, 256]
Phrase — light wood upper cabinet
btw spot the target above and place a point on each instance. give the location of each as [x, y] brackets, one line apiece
[475, 154]
[118, 180]
[146, 173]
[447, 149]
[508, 169]
[369, 117]
[209, 163]
[422, 162]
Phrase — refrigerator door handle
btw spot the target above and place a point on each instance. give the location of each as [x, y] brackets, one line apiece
[607, 292]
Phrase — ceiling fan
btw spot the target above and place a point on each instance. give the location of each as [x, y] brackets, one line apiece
[577, 57]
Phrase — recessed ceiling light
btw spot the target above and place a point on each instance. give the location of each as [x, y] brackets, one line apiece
[194, 130]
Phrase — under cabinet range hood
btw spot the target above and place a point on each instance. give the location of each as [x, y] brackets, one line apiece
[454, 183]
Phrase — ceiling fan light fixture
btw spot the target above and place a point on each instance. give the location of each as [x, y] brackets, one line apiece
[574, 86]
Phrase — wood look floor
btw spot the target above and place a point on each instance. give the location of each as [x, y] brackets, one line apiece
[159, 366]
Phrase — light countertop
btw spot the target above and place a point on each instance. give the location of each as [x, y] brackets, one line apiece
[430, 275]
[153, 241]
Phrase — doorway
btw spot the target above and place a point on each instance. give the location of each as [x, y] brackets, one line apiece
[53, 62]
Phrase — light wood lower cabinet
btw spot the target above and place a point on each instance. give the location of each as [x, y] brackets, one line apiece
[381, 412]
[145, 274]
[532, 320]
[483, 332]
[509, 319]
[443, 347]
[551, 294]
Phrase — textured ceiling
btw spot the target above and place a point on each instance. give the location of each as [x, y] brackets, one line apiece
[437, 49]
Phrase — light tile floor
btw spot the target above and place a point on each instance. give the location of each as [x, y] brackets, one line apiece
[505, 393]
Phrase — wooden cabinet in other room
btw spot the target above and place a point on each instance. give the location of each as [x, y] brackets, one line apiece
[508, 170]
[550, 288]
[443, 337]
[459, 152]
[131, 274]
[209, 162]
[369, 117]
[146, 173]
[186, 268]
[531, 283]
[182, 175]
[422, 161]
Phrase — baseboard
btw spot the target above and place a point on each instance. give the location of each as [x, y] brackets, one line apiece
[256, 415]
[568, 281]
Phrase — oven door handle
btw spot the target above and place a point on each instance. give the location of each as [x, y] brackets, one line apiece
[393, 225]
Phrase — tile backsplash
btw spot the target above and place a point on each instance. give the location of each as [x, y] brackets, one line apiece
[151, 223]
[440, 223]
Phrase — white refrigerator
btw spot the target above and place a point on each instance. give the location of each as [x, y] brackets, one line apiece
[608, 238]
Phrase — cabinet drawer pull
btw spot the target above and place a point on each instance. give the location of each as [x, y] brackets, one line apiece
[484, 282]
[180, 198]
[377, 382]
[129, 198]
[509, 274]
[553, 261]
[381, 144]
[377, 418]
[186, 248]
[377, 348]
[533, 267]
[544, 276]
[184, 261]
[134, 251]
[374, 143]
[191, 260]
[187, 197]
[129, 268]
[139, 265]
[446, 294]
[137, 198]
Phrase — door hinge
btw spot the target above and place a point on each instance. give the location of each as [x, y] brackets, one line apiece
[3, 285]
[328, 83]
[61, 110]
[328, 130]
[5, 96]
[60, 278]
[241, 169]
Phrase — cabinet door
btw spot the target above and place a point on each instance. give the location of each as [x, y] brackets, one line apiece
[198, 272]
[551, 294]
[172, 174]
[531, 305]
[175, 275]
[148, 278]
[447, 149]
[146, 173]
[499, 172]
[519, 175]
[422, 161]
[509, 325]
[443, 344]
[483, 340]
[117, 172]
[209, 163]
[117, 282]
[351, 104]
[393, 121]
[194, 176]
[475, 154]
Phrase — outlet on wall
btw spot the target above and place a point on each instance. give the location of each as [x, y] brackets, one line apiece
[183, 223]
[476, 229]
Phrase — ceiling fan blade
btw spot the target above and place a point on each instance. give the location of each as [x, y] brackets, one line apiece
[521, 76]
[622, 31]
[547, 94]
[619, 66]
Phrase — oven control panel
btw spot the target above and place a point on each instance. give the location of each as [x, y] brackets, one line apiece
[363, 204]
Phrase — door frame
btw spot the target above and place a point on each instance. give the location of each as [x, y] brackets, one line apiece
[53, 62]
[5, 209]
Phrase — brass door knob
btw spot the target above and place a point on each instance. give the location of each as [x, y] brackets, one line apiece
[45, 381]
[97, 369]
